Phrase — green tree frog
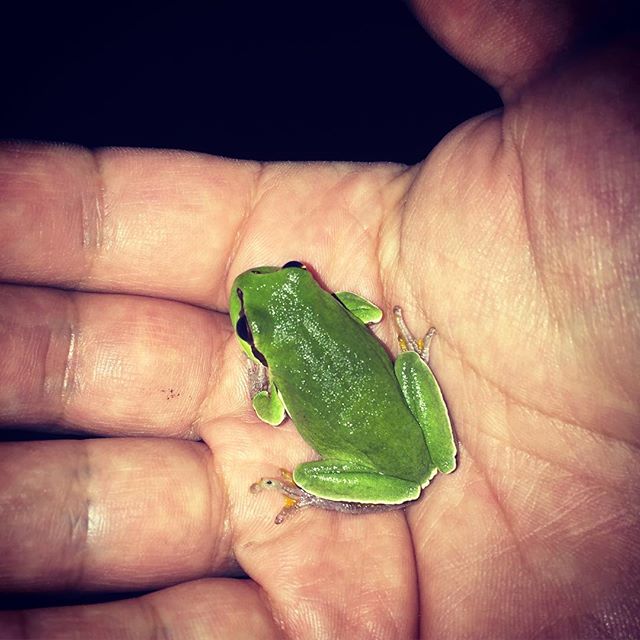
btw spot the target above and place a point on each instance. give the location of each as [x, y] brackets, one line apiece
[382, 430]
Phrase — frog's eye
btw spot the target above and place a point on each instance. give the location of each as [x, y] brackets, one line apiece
[293, 264]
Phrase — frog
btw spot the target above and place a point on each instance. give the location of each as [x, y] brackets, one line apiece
[381, 429]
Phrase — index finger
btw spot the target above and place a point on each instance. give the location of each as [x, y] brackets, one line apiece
[158, 223]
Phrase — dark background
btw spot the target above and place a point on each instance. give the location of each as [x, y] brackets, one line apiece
[335, 80]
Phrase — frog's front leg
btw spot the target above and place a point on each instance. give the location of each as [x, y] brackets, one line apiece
[423, 395]
[258, 377]
[360, 307]
[265, 398]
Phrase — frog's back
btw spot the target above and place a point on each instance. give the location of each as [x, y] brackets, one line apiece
[336, 379]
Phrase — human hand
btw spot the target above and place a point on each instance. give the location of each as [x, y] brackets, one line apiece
[517, 238]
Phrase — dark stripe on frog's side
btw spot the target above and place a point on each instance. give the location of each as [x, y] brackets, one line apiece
[244, 331]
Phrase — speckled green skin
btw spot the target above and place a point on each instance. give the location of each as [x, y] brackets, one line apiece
[338, 385]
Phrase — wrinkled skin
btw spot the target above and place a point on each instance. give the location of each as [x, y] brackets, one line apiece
[518, 238]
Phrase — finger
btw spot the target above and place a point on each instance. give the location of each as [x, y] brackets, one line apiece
[510, 43]
[180, 225]
[221, 608]
[140, 222]
[108, 364]
[112, 514]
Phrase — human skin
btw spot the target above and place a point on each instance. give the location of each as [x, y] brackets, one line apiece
[518, 238]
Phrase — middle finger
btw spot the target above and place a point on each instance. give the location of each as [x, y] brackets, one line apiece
[108, 363]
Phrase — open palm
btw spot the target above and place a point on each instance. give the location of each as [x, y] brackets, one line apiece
[518, 238]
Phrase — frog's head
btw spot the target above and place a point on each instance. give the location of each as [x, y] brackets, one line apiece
[250, 282]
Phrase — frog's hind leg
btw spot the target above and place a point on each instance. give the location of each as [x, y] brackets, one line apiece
[423, 395]
[297, 498]
[353, 482]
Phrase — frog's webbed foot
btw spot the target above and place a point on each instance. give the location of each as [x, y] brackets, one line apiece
[295, 497]
[408, 342]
